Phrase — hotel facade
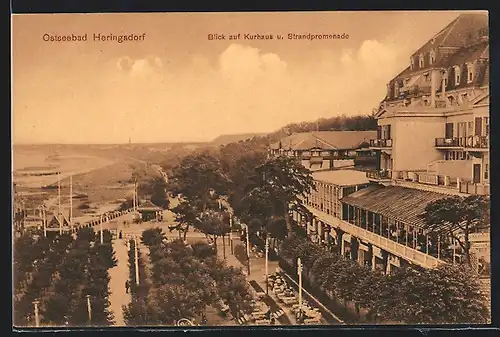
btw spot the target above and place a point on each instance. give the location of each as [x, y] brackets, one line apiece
[432, 141]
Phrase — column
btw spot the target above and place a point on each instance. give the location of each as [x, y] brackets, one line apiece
[388, 266]
[374, 260]
[320, 232]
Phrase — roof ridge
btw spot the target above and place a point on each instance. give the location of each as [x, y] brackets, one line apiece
[452, 26]
[324, 141]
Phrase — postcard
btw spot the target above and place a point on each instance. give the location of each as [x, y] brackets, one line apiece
[251, 168]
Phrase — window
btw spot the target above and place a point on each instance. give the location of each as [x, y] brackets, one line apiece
[457, 75]
[432, 57]
[421, 61]
[487, 126]
[486, 173]
[465, 98]
[412, 63]
[470, 72]
[427, 77]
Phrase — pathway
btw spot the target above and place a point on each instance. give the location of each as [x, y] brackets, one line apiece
[118, 276]
[257, 277]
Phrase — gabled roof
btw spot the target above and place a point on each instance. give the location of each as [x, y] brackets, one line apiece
[326, 140]
[462, 35]
[457, 33]
[148, 205]
[54, 221]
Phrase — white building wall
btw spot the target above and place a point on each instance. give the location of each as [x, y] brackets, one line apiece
[413, 142]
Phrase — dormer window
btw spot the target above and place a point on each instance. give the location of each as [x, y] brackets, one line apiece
[421, 61]
[427, 77]
[432, 57]
[412, 63]
[470, 72]
[445, 79]
[457, 75]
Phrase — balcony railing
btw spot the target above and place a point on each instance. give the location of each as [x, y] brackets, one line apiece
[472, 188]
[447, 142]
[398, 249]
[379, 143]
[378, 175]
[478, 142]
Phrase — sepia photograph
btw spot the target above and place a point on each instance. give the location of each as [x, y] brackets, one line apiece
[250, 169]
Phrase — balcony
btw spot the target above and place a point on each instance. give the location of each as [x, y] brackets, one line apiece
[469, 142]
[378, 176]
[448, 142]
[380, 143]
[478, 142]
[408, 253]
[468, 187]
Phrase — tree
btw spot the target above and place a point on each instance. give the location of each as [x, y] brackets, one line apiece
[287, 181]
[233, 288]
[127, 204]
[198, 177]
[157, 191]
[459, 217]
[203, 251]
[256, 204]
[276, 228]
[175, 301]
[152, 236]
[185, 215]
[212, 225]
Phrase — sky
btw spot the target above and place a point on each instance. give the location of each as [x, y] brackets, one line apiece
[177, 85]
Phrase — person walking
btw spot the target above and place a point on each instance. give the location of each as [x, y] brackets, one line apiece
[127, 286]
[120, 236]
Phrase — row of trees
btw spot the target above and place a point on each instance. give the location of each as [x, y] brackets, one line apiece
[71, 270]
[412, 295]
[185, 279]
[262, 192]
[34, 281]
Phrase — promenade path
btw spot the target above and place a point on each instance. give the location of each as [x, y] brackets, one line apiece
[118, 276]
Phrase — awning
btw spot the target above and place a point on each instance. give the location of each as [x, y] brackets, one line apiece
[410, 83]
[395, 202]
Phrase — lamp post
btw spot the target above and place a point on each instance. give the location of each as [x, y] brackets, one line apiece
[299, 272]
[248, 248]
[267, 264]
[231, 233]
[37, 318]
[89, 309]
[136, 258]
[102, 236]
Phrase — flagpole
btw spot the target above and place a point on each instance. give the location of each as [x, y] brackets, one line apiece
[59, 201]
[71, 202]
